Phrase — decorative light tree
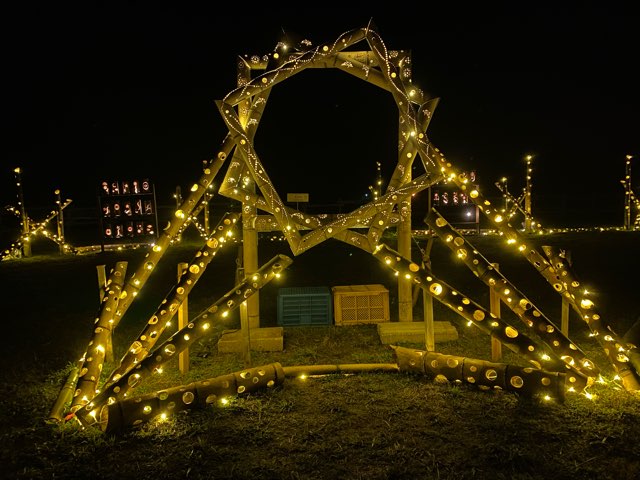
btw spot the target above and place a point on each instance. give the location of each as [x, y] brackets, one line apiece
[31, 229]
[629, 197]
[527, 196]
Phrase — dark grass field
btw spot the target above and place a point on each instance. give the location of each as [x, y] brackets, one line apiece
[361, 426]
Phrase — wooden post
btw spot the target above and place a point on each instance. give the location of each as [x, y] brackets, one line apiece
[178, 197]
[102, 280]
[102, 285]
[245, 325]
[183, 320]
[250, 309]
[60, 221]
[427, 302]
[527, 197]
[429, 325]
[565, 310]
[564, 327]
[24, 218]
[205, 198]
[627, 193]
[405, 295]
[494, 307]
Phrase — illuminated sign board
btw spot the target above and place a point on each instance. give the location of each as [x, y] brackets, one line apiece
[128, 211]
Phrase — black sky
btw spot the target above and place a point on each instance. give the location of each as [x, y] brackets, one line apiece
[124, 89]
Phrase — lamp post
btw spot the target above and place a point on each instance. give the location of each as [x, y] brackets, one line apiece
[627, 193]
[527, 196]
[24, 219]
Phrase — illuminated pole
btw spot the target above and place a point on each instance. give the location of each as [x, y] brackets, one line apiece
[527, 196]
[405, 289]
[24, 222]
[627, 194]
[178, 196]
[249, 110]
[505, 193]
[60, 221]
[377, 189]
[205, 199]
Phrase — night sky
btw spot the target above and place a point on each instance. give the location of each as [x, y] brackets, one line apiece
[103, 92]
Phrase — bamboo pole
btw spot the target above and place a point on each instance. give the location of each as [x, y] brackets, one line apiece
[216, 392]
[93, 359]
[213, 392]
[528, 224]
[24, 219]
[427, 300]
[403, 230]
[102, 280]
[198, 328]
[136, 281]
[515, 300]
[494, 308]
[519, 343]
[628, 372]
[485, 375]
[183, 321]
[565, 310]
[249, 310]
[345, 368]
[159, 320]
[56, 414]
[627, 193]
[624, 356]
[293, 66]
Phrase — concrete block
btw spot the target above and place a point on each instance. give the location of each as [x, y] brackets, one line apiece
[413, 332]
[268, 339]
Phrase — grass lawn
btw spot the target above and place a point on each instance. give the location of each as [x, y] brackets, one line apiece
[338, 426]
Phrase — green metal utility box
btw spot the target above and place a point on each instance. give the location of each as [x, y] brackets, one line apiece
[304, 306]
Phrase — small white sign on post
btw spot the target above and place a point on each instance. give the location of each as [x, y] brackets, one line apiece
[297, 197]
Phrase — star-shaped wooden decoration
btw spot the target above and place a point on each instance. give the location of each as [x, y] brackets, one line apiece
[247, 180]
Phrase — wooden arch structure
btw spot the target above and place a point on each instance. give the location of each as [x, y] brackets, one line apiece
[557, 364]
